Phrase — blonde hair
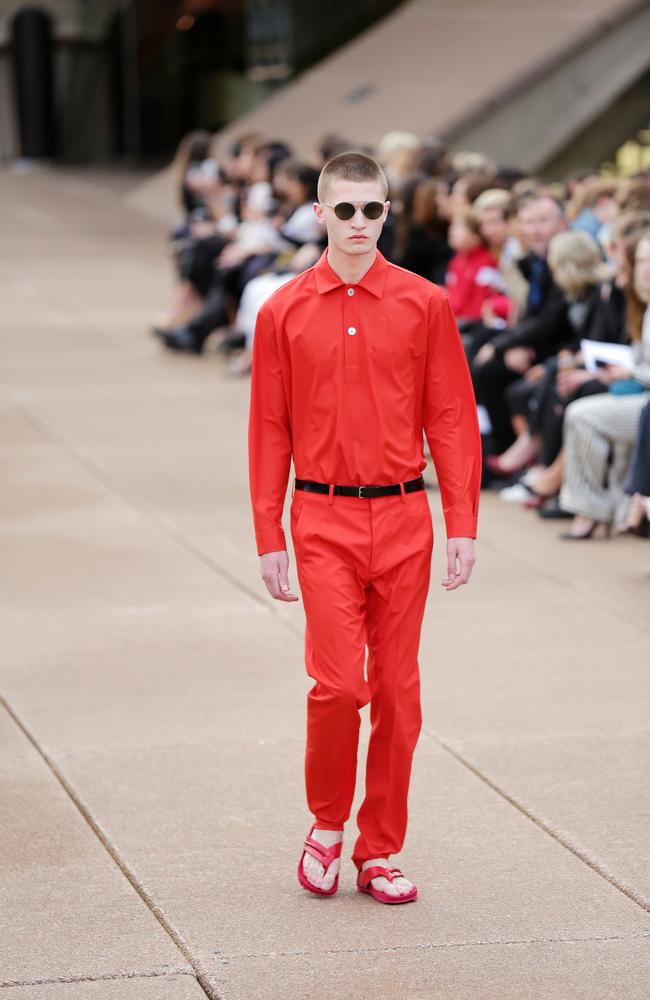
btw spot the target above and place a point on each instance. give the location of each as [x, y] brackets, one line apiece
[397, 142]
[468, 163]
[642, 291]
[576, 261]
[494, 198]
[351, 166]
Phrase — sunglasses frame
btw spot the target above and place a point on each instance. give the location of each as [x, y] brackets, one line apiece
[355, 205]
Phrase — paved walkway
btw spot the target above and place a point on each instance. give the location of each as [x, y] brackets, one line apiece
[152, 715]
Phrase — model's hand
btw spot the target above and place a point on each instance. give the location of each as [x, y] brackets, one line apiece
[274, 567]
[460, 561]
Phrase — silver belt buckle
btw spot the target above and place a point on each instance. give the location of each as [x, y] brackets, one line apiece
[361, 493]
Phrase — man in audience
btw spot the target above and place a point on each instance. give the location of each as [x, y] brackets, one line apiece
[539, 333]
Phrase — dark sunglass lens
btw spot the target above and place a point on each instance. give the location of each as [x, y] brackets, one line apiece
[344, 210]
[373, 209]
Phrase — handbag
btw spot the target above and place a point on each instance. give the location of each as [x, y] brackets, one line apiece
[626, 387]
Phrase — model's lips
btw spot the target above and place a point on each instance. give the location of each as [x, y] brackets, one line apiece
[358, 237]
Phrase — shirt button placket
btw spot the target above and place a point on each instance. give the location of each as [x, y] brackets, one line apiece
[351, 338]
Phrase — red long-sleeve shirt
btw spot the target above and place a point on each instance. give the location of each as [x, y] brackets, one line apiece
[345, 378]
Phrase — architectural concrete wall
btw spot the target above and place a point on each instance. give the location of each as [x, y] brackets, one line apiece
[514, 77]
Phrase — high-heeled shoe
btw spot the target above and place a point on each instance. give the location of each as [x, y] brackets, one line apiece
[494, 464]
[637, 522]
[572, 536]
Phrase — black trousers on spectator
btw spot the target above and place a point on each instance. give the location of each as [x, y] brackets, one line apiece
[544, 408]
[490, 383]
[196, 261]
[473, 335]
[213, 314]
[638, 480]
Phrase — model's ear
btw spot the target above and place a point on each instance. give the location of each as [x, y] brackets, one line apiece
[386, 207]
[319, 212]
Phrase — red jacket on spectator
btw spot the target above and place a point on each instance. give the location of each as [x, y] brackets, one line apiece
[472, 278]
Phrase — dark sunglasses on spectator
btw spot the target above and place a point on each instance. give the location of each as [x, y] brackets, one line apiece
[345, 209]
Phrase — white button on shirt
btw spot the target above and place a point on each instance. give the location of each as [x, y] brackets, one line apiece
[350, 291]
[352, 330]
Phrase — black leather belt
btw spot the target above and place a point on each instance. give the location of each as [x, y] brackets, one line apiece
[309, 486]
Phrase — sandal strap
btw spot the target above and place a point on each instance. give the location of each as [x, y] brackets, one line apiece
[367, 874]
[323, 854]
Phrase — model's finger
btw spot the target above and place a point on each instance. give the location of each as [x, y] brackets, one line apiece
[451, 568]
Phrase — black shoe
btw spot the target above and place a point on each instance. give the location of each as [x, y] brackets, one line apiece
[181, 339]
[552, 510]
[234, 340]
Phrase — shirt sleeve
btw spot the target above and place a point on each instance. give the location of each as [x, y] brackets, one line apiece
[269, 437]
[451, 422]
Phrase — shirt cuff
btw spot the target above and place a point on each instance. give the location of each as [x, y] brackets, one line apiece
[273, 540]
[461, 526]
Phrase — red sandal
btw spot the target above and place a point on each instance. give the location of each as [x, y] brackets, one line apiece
[365, 877]
[326, 855]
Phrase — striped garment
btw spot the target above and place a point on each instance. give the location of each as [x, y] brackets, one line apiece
[599, 435]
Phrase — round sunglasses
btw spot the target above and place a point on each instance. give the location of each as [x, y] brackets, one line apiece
[344, 210]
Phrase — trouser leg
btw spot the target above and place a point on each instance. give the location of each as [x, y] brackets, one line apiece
[638, 480]
[330, 549]
[395, 607]
[592, 428]
[212, 315]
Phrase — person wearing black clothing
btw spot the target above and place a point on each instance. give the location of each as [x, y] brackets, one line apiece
[600, 316]
[542, 331]
[425, 248]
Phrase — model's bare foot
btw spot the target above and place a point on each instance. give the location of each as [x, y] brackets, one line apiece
[398, 887]
[311, 866]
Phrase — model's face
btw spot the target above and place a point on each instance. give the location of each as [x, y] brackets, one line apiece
[494, 227]
[357, 235]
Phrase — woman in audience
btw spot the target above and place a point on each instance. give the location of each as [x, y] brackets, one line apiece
[599, 433]
[595, 312]
[425, 247]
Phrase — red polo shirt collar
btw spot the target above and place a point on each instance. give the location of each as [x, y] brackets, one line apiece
[373, 280]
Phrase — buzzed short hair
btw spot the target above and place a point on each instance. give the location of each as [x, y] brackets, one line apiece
[351, 166]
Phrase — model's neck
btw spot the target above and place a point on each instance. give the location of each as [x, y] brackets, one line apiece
[349, 268]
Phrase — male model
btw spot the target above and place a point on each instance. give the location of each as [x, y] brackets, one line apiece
[352, 361]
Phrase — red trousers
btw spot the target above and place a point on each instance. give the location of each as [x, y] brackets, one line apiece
[364, 568]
